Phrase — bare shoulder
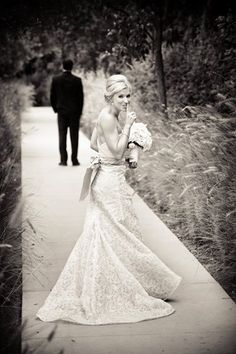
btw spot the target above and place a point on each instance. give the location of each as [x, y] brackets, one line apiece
[106, 119]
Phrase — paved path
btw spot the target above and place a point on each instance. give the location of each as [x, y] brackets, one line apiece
[205, 317]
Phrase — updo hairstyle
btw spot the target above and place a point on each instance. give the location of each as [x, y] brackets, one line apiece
[114, 84]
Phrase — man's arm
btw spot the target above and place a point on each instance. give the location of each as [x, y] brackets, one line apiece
[53, 96]
[81, 97]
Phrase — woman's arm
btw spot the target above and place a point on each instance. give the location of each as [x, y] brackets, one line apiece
[93, 141]
[116, 144]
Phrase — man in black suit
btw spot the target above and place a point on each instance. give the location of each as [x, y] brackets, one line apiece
[67, 100]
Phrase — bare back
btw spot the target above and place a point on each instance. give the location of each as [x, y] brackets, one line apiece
[100, 133]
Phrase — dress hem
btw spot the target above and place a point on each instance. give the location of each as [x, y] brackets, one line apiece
[115, 320]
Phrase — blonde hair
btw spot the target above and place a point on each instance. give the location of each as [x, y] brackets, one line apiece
[114, 84]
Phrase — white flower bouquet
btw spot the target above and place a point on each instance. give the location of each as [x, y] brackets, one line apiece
[139, 139]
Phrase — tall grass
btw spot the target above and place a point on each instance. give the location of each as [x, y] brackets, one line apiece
[188, 180]
[14, 225]
[188, 177]
[14, 98]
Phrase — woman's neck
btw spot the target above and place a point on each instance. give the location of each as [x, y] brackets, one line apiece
[115, 112]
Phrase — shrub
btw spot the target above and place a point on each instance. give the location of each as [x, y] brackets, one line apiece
[94, 85]
[14, 98]
[187, 178]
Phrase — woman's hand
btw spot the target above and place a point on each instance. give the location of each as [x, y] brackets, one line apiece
[130, 118]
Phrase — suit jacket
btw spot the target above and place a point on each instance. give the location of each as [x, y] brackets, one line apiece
[66, 94]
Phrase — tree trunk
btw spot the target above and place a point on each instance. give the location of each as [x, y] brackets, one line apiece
[206, 18]
[159, 67]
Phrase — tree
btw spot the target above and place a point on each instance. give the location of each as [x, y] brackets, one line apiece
[134, 30]
[98, 33]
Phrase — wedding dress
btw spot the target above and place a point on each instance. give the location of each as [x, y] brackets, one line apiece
[111, 276]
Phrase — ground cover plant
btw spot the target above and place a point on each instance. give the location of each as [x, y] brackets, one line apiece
[14, 98]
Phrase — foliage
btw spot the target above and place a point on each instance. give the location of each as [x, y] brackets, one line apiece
[189, 78]
[200, 70]
[197, 45]
[94, 92]
[14, 98]
[189, 173]
[128, 32]
[141, 74]
[187, 178]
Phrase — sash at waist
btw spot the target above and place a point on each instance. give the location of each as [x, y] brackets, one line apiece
[92, 170]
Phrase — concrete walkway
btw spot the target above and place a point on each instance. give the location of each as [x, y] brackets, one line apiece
[205, 317]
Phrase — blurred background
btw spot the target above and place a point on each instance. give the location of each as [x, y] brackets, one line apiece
[180, 58]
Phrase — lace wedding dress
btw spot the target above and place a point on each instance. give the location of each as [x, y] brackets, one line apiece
[110, 275]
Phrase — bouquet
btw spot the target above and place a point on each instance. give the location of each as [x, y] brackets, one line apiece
[139, 139]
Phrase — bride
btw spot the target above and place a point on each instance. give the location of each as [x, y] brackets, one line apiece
[111, 276]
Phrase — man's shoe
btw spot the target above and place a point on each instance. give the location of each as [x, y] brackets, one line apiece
[62, 164]
[76, 163]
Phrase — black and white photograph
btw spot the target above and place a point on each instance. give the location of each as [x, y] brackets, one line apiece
[117, 177]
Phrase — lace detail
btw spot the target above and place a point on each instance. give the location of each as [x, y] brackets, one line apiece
[111, 276]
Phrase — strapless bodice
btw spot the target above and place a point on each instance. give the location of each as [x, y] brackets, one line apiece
[106, 155]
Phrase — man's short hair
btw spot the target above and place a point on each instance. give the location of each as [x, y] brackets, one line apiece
[68, 64]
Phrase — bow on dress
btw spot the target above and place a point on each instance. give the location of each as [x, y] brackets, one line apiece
[89, 176]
